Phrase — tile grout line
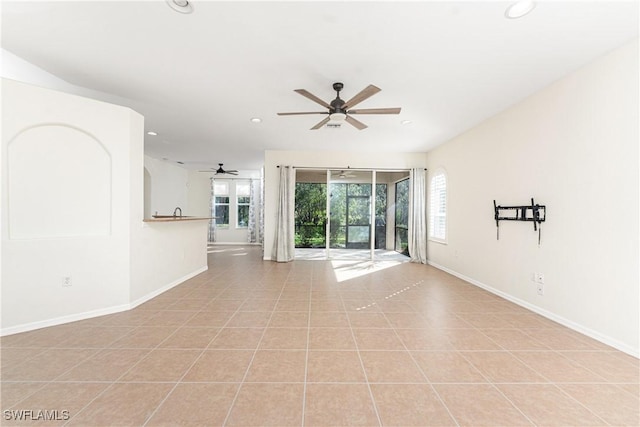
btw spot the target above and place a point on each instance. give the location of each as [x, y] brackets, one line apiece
[204, 349]
[492, 383]
[306, 359]
[246, 372]
[421, 371]
[366, 377]
[45, 350]
[150, 350]
[555, 384]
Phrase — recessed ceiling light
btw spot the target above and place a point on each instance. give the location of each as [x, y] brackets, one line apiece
[152, 133]
[182, 6]
[256, 120]
[406, 122]
[519, 9]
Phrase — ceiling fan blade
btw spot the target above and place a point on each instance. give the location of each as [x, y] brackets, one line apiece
[207, 170]
[305, 112]
[322, 123]
[375, 111]
[361, 96]
[312, 97]
[232, 172]
[355, 123]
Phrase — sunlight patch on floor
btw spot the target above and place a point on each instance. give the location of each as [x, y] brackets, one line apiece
[346, 270]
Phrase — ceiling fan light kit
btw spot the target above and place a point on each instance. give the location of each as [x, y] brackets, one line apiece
[337, 117]
[340, 111]
[181, 6]
[519, 9]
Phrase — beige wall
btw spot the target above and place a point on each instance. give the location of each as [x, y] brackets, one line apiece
[574, 147]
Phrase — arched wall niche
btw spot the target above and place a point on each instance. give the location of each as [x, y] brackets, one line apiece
[59, 183]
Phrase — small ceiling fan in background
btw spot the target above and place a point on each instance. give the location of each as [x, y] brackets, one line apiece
[343, 174]
[221, 170]
[339, 110]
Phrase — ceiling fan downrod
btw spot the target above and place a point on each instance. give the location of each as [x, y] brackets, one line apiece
[336, 104]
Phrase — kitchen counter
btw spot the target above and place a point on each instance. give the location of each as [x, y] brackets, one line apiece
[171, 218]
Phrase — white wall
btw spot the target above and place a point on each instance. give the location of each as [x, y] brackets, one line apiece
[115, 261]
[199, 194]
[322, 159]
[574, 147]
[169, 187]
[162, 254]
[36, 256]
[165, 254]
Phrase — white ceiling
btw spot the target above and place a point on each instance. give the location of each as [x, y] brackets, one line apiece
[199, 78]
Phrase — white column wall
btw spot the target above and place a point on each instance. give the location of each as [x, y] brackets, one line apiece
[111, 268]
[33, 268]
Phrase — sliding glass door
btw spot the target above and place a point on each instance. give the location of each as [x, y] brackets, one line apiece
[351, 214]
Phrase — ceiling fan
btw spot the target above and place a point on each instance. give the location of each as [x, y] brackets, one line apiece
[221, 171]
[339, 110]
[344, 174]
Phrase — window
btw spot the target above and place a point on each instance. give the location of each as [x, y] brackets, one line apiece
[221, 203]
[243, 197]
[438, 207]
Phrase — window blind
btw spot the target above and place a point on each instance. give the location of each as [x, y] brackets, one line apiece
[438, 207]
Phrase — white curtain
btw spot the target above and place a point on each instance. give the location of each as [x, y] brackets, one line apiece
[418, 216]
[283, 246]
[254, 234]
[212, 209]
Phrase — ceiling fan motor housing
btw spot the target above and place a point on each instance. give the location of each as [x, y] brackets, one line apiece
[336, 104]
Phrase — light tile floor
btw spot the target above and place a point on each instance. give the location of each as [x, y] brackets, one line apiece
[255, 343]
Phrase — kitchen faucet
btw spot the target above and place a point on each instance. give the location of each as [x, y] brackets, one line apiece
[176, 210]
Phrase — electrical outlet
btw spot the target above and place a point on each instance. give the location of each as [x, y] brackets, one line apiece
[540, 289]
[539, 278]
[66, 281]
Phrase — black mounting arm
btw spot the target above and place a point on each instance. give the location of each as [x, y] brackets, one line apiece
[532, 213]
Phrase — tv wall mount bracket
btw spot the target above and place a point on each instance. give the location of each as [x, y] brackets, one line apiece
[531, 213]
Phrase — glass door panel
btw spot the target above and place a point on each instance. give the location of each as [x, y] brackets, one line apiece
[350, 213]
[402, 217]
[358, 218]
[381, 216]
[310, 214]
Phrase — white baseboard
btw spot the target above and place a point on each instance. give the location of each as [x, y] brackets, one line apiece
[96, 313]
[545, 313]
[165, 288]
[62, 320]
[232, 244]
